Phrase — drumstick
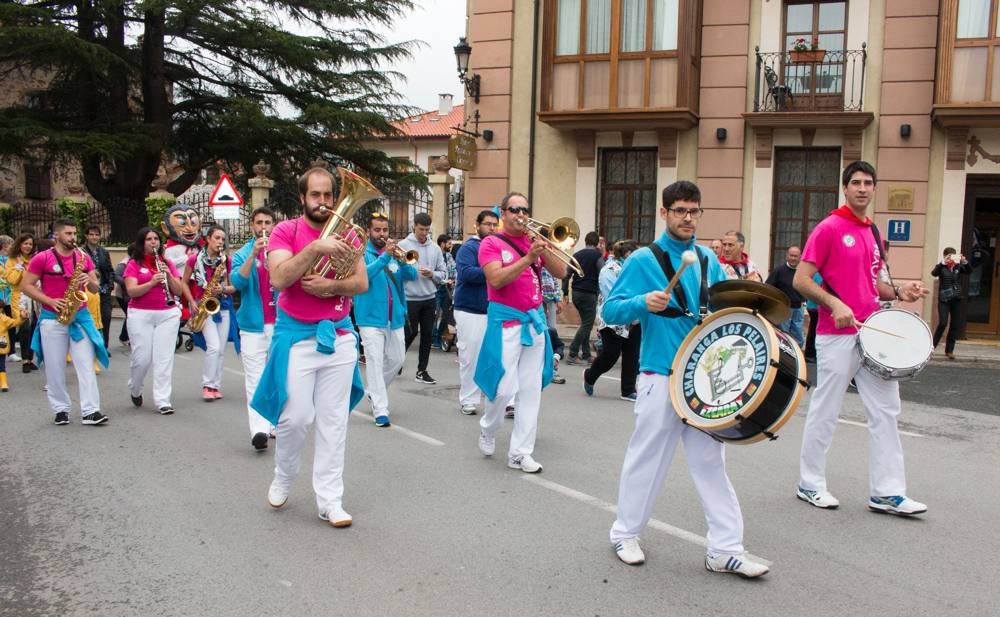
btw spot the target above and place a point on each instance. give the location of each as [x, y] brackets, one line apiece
[864, 325]
[687, 258]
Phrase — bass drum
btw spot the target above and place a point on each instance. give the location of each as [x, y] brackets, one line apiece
[737, 377]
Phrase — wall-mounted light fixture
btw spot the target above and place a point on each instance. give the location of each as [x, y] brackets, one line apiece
[462, 52]
[905, 130]
[720, 134]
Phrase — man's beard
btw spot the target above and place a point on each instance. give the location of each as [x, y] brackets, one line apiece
[317, 215]
[378, 242]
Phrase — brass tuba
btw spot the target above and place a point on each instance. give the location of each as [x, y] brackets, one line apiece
[74, 297]
[355, 191]
[561, 235]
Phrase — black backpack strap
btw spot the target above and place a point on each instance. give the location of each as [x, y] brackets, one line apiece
[678, 291]
[703, 300]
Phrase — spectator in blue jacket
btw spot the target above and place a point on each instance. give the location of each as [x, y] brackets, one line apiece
[381, 313]
[256, 315]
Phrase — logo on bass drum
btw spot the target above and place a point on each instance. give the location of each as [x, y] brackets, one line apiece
[725, 370]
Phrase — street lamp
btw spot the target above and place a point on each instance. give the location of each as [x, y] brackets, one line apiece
[462, 52]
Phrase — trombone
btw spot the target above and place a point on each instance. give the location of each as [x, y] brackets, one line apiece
[561, 235]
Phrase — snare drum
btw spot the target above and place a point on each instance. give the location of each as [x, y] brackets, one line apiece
[895, 357]
[737, 377]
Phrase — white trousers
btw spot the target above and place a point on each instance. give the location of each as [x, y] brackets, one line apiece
[319, 389]
[216, 335]
[253, 354]
[470, 327]
[55, 344]
[153, 338]
[650, 451]
[385, 351]
[523, 377]
[837, 362]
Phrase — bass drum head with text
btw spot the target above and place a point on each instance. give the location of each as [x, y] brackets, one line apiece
[736, 377]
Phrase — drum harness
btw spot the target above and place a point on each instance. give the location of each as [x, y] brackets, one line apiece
[671, 312]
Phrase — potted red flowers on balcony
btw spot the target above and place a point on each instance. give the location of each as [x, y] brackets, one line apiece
[803, 51]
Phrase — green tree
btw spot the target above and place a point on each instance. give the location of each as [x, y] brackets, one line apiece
[134, 84]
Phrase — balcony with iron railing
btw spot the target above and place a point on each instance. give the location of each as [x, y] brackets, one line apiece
[811, 89]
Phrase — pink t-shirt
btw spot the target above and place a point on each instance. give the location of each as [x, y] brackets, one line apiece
[293, 236]
[266, 293]
[155, 299]
[847, 258]
[54, 272]
[524, 293]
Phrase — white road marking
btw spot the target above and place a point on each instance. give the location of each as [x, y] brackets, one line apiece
[395, 427]
[865, 425]
[659, 525]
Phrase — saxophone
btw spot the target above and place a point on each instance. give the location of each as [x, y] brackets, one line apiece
[74, 297]
[209, 304]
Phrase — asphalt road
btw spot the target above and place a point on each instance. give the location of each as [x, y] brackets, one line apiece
[166, 515]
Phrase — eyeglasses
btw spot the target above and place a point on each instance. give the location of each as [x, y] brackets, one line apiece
[518, 209]
[680, 213]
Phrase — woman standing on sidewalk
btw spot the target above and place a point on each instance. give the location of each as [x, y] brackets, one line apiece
[617, 341]
[949, 297]
[20, 254]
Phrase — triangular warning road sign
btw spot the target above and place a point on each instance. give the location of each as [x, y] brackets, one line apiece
[225, 194]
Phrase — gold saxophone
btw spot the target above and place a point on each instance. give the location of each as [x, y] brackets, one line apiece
[74, 297]
[209, 304]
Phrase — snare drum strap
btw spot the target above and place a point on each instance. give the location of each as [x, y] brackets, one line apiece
[678, 291]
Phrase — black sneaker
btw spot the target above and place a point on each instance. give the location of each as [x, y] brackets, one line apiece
[259, 441]
[62, 418]
[94, 418]
[136, 400]
[28, 366]
[425, 377]
[166, 410]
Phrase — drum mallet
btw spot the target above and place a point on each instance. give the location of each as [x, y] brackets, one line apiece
[687, 258]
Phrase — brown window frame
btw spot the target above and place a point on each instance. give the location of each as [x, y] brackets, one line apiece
[804, 219]
[948, 34]
[37, 181]
[630, 216]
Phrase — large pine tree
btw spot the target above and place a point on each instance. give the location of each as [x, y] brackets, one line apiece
[195, 81]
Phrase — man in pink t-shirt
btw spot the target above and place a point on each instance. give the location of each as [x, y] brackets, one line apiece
[319, 374]
[512, 261]
[55, 270]
[844, 250]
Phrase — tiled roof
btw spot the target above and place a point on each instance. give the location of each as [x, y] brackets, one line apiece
[430, 124]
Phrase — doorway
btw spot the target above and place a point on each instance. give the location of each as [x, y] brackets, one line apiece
[979, 244]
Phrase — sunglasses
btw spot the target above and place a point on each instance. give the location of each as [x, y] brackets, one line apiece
[518, 209]
[379, 215]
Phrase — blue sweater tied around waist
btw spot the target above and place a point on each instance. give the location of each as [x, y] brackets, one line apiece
[81, 326]
[272, 393]
[489, 367]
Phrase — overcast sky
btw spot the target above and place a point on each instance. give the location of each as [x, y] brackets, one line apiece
[431, 70]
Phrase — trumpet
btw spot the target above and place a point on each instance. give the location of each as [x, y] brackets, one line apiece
[409, 257]
[561, 235]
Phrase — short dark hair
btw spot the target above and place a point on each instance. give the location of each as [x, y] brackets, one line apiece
[484, 214]
[862, 166]
[622, 247]
[592, 238]
[94, 228]
[506, 198]
[422, 218]
[949, 251]
[682, 190]
[739, 235]
[443, 238]
[214, 228]
[138, 248]
[376, 216]
[262, 210]
[58, 224]
[304, 178]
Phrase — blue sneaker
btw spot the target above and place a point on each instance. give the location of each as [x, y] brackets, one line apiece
[628, 397]
[587, 387]
[382, 421]
[896, 504]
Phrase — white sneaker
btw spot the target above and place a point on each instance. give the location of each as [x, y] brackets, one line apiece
[487, 444]
[628, 551]
[469, 410]
[337, 517]
[525, 463]
[13, 357]
[896, 504]
[735, 564]
[276, 495]
[820, 499]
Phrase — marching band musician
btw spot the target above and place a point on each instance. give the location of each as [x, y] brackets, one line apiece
[61, 270]
[666, 319]
[843, 248]
[516, 355]
[314, 351]
[198, 274]
[256, 314]
[154, 314]
[381, 314]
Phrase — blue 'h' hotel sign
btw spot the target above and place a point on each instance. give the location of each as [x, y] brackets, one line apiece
[899, 230]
